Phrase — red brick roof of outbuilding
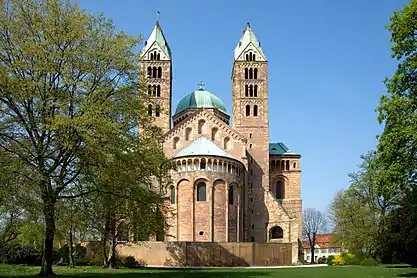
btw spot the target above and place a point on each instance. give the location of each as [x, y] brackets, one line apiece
[324, 241]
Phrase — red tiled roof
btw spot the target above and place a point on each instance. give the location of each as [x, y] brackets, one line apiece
[324, 241]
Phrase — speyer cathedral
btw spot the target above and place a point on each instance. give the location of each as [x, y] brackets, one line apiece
[231, 184]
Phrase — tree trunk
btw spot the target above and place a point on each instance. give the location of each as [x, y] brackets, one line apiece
[47, 256]
[70, 250]
[113, 242]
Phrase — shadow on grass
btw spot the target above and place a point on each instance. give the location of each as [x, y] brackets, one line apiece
[398, 266]
[178, 273]
[411, 274]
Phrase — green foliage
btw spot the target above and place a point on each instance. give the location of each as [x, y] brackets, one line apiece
[350, 259]
[369, 262]
[330, 260]
[322, 260]
[131, 262]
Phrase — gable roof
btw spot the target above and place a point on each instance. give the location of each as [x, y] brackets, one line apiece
[202, 146]
[280, 149]
[323, 241]
[209, 116]
[157, 36]
[247, 38]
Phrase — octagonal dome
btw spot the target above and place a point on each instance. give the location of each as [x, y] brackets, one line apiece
[200, 98]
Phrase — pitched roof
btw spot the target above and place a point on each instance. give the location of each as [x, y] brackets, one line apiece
[323, 241]
[157, 36]
[247, 38]
[279, 149]
[202, 146]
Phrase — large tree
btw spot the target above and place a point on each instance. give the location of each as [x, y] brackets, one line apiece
[314, 223]
[397, 146]
[68, 94]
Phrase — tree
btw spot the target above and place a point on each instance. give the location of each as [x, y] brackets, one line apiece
[68, 93]
[359, 212]
[314, 223]
[397, 146]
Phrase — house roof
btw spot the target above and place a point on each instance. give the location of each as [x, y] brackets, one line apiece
[202, 146]
[323, 241]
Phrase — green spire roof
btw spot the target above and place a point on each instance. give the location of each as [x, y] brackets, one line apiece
[247, 38]
[157, 36]
[202, 146]
[200, 98]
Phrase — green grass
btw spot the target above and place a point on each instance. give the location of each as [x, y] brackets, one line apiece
[319, 272]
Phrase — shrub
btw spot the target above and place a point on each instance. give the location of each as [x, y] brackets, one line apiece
[321, 260]
[330, 260]
[130, 262]
[350, 259]
[368, 262]
[16, 253]
[338, 260]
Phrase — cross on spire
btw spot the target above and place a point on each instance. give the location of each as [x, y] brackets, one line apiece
[157, 16]
[201, 85]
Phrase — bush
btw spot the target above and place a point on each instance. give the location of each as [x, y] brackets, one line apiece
[338, 260]
[350, 259]
[20, 254]
[321, 260]
[330, 260]
[130, 262]
[369, 262]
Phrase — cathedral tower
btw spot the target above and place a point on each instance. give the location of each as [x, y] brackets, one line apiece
[156, 63]
[250, 118]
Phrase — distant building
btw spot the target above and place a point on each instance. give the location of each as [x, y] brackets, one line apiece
[325, 246]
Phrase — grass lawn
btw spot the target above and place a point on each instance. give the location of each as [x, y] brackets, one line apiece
[319, 272]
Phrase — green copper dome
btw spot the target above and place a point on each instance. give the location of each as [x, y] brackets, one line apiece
[200, 99]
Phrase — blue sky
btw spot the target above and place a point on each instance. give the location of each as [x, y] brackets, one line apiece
[327, 62]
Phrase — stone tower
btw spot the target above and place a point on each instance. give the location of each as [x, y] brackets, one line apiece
[250, 118]
[156, 64]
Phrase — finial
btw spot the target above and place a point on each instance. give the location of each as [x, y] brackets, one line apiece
[201, 85]
[248, 25]
[157, 17]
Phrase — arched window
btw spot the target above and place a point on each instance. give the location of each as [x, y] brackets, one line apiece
[279, 190]
[175, 143]
[250, 73]
[203, 164]
[149, 71]
[213, 133]
[287, 165]
[246, 90]
[276, 233]
[150, 109]
[247, 110]
[154, 72]
[230, 195]
[294, 165]
[255, 110]
[201, 191]
[226, 143]
[158, 90]
[172, 194]
[247, 57]
[251, 90]
[154, 90]
[149, 90]
[159, 72]
[158, 56]
[200, 126]
[187, 133]
[151, 56]
[250, 56]
[253, 57]
[255, 73]
[282, 165]
[272, 164]
[255, 91]
[157, 111]
[246, 73]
